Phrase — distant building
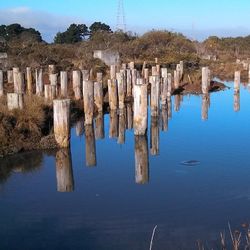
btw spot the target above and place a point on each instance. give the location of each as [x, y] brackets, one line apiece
[107, 56]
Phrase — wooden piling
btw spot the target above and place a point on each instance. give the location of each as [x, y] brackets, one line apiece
[141, 160]
[15, 72]
[90, 148]
[88, 102]
[47, 92]
[140, 107]
[98, 96]
[237, 81]
[64, 84]
[112, 72]
[1, 83]
[77, 84]
[154, 71]
[112, 91]
[131, 65]
[10, 76]
[146, 75]
[39, 82]
[129, 82]
[29, 80]
[20, 86]
[155, 95]
[169, 93]
[176, 80]
[64, 171]
[205, 80]
[52, 69]
[181, 69]
[15, 101]
[62, 122]
[120, 89]
[80, 127]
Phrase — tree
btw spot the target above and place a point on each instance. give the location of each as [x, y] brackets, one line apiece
[98, 26]
[15, 30]
[75, 33]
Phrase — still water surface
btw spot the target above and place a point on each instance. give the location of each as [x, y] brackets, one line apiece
[136, 185]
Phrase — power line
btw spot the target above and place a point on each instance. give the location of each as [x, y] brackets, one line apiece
[121, 19]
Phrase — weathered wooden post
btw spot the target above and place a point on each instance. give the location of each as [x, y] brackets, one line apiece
[205, 80]
[15, 101]
[1, 83]
[20, 87]
[47, 92]
[77, 84]
[85, 77]
[122, 127]
[62, 122]
[113, 124]
[29, 80]
[99, 126]
[154, 71]
[146, 75]
[140, 107]
[131, 65]
[53, 92]
[64, 171]
[134, 78]
[124, 66]
[64, 83]
[155, 95]
[112, 90]
[10, 76]
[164, 89]
[90, 148]
[88, 102]
[169, 85]
[15, 72]
[154, 136]
[237, 81]
[181, 69]
[204, 106]
[98, 96]
[39, 82]
[52, 69]
[120, 87]
[169, 101]
[176, 80]
[129, 82]
[236, 101]
[112, 72]
[141, 160]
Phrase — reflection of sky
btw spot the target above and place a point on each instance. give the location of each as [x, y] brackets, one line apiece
[108, 210]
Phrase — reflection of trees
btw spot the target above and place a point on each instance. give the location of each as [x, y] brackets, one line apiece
[24, 163]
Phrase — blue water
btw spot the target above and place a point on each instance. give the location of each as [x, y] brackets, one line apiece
[112, 207]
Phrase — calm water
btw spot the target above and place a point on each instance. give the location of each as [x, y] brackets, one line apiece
[116, 204]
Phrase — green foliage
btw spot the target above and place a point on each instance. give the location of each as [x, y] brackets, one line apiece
[75, 33]
[99, 27]
[15, 30]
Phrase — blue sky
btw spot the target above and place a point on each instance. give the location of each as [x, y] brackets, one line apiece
[195, 18]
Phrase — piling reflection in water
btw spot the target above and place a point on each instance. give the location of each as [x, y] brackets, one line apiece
[64, 171]
[164, 117]
[154, 136]
[80, 127]
[141, 160]
[90, 149]
[113, 124]
[236, 101]
[177, 102]
[129, 116]
[122, 126]
[205, 106]
[99, 126]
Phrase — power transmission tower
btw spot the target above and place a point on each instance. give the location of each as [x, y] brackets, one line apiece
[121, 20]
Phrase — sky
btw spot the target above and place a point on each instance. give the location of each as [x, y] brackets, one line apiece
[197, 19]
